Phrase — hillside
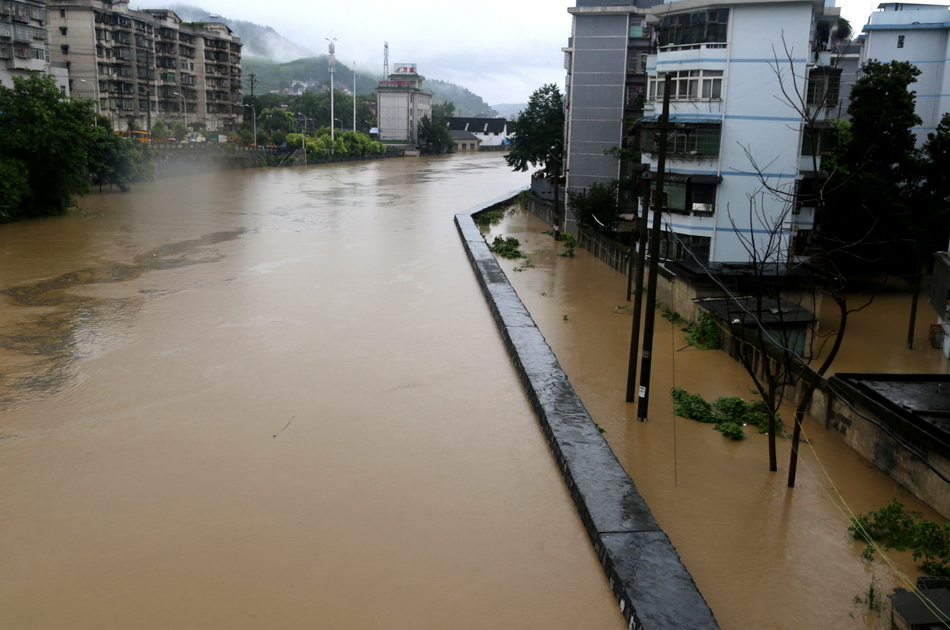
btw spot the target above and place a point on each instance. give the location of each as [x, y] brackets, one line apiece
[274, 76]
[278, 61]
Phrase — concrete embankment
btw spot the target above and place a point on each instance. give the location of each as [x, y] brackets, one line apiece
[654, 589]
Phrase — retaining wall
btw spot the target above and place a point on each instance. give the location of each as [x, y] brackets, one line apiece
[653, 588]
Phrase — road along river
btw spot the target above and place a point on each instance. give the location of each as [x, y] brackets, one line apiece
[275, 399]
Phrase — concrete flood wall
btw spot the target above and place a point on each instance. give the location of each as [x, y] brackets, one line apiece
[650, 582]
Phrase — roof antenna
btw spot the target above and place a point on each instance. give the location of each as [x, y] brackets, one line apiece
[385, 60]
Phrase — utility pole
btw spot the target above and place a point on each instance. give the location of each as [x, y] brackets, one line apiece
[647, 359]
[354, 96]
[252, 81]
[332, 65]
[641, 253]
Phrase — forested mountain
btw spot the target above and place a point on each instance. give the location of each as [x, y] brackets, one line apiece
[277, 62]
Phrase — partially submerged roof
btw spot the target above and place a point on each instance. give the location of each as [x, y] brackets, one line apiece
[750, 310]
[923, 607]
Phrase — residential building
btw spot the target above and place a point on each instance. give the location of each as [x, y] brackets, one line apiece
[606, 84]
[23, 43]
[402, 103]
[920, 34]
[494, 133]
[465, 140]
[142, 65]
[737, 149]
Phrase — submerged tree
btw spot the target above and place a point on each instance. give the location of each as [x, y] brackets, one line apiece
[44, 141]
[435, 137]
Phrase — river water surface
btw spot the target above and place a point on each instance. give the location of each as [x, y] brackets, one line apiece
[275, 399]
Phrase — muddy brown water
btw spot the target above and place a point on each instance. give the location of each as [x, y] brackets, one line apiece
[275, 399]
[764, 556]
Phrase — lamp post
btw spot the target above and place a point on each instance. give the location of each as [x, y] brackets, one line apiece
[184, 116]
[354, 96]
[332, 66]
[95, 91]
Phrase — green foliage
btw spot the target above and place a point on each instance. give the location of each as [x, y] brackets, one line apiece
[870, 219]
[539, 131]
[597, 207]
[271, 120]
[346, 144]
[728, 413]
[491, 217]
[159, 130]
[443, 110]
[44, 140]
[570, 243]
[670, 315]
[506, 247]
[117, 161]
[179, 130]
[892, 527]
[704, 333]
[435, 137]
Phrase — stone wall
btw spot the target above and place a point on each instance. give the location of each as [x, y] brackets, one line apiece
[653, 588]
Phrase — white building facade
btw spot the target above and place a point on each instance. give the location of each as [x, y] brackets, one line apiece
[920, 34]
[736, 130]
[737, 69]
[24, 37]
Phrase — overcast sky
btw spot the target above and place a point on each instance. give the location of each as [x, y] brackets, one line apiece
[502, 50]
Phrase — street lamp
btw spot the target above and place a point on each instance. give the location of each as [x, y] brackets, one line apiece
[332, 66]
[95, 91]
[184, 116]
[354, 96]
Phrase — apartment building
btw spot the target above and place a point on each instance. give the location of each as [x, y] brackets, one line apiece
[23, 43]
[736, 134]
[920, 34]
[144, 65]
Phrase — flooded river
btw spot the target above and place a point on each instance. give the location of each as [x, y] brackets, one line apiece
[764, 556]
[275, 399]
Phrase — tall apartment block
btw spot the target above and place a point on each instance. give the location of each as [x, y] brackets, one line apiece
[23, 42]
[920, 34]
[737, 70]
[144, 65]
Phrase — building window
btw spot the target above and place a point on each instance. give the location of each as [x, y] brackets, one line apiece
[685, 140]
[65, 49]
[62, 13]
[684, 247]
[824, 87]
[688, 197]
[62, 29]
[700, 27]
[688, 85]
[900, 41]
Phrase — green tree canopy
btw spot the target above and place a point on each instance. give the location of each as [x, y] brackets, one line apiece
[44, 140]
[870, 218]
[443, 110]
[271, 120]
[435, 137]
[539, 131]
[159, 130]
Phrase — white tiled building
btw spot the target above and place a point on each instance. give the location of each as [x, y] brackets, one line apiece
[732, 126]
[23, 42]
[920, 34]
[401, 104]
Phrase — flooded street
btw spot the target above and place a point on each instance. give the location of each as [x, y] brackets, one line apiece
[276, 399]
[764, 556]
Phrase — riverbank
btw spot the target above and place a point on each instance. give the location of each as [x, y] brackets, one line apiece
[651, 584]
[763, 555]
